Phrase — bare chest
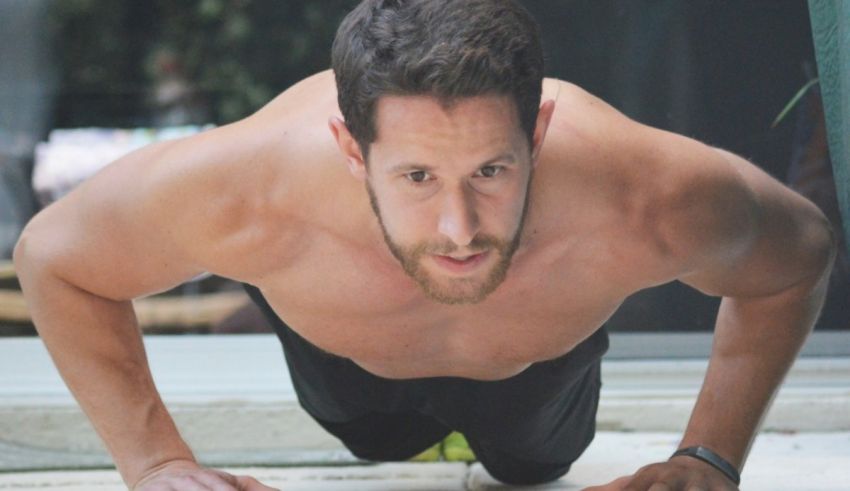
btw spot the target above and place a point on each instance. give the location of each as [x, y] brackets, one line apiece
[352, 305]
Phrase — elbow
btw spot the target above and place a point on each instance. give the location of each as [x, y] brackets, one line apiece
[824, 247]
[23, 261]
[19, 252]
[831, 248]
[25, 257]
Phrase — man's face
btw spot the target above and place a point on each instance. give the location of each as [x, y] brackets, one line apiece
[450, 189]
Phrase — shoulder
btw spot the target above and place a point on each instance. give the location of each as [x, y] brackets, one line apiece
[228, 196]
[694, 193]
[274, 174]
[711, 218]
[580, 113]
[681, 200]
[230, 201]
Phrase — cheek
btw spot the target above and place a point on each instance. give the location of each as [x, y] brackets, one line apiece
[502, 209]
[410, 224]
[404, 221]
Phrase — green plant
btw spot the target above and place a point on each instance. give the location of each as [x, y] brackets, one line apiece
[235, 55]
[794, 100]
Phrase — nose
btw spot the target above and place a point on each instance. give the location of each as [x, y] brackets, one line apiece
[458, 217]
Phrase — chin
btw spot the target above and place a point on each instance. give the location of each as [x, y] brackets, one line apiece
[451, 298]
[459, 291]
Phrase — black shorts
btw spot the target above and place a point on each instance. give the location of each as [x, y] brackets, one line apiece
[525, 429]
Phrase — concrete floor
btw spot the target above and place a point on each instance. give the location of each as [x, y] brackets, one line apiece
[233, 401]
[778, 462]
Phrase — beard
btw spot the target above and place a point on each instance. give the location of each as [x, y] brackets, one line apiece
[454, 291]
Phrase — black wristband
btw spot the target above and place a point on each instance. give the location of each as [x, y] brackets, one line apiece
[714, 460]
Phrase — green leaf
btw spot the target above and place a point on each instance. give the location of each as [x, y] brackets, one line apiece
[794, 101]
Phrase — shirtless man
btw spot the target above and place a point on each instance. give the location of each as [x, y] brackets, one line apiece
[445, 255]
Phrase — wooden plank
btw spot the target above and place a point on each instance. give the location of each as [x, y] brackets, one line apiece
[191, 311]
[161, 311]
[13, 307]
[7, 270]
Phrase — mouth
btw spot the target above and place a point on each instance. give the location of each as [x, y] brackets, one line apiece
[461, 264]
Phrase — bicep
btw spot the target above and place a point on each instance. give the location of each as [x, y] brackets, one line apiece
[762, 238]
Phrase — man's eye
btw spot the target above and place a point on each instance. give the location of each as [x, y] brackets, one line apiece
[490, 171]
[418, 176]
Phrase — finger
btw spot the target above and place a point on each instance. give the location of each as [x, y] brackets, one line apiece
[614, 485]
[248, 483]
[652, 481]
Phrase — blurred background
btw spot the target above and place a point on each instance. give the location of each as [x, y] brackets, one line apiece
[84, 81]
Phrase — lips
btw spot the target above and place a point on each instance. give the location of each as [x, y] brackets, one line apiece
[461, 260]
[461, 264]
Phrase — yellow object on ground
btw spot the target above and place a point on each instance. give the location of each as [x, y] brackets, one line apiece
[430, 455]
[456, 448]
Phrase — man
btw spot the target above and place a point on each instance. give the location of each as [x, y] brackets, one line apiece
[444, 257]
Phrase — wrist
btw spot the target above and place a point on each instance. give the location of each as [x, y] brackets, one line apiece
[144, 449]
[711, 458]
[151, 457]
[149, 473]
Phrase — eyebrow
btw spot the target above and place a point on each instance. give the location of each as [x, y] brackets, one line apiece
[506, 158]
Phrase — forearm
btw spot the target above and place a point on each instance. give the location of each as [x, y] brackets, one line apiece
[755, 343]
[98, 350]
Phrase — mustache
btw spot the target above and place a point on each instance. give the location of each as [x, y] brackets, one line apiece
[479, 244]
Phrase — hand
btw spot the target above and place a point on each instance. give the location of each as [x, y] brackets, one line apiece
[189, 476]
[678, 474]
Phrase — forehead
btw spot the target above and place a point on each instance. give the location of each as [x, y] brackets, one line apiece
[470, 119]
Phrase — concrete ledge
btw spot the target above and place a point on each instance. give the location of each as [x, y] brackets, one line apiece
[233, 401]
[659, 395]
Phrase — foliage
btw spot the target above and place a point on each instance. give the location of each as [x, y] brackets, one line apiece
[233, 55]
[794, 100]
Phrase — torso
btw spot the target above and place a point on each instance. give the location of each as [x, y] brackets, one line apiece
[585, 248]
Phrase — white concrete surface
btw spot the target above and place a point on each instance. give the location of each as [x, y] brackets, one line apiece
[233, 401]
[778, 462]
[384, 477]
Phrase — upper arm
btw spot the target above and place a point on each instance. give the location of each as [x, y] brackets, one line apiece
[712, 219]
[737, 232]
[152, 219]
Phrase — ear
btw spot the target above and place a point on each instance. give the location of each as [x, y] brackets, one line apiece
[544, 117]
[349, 148]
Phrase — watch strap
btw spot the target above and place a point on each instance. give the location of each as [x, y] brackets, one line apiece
[710, 457]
